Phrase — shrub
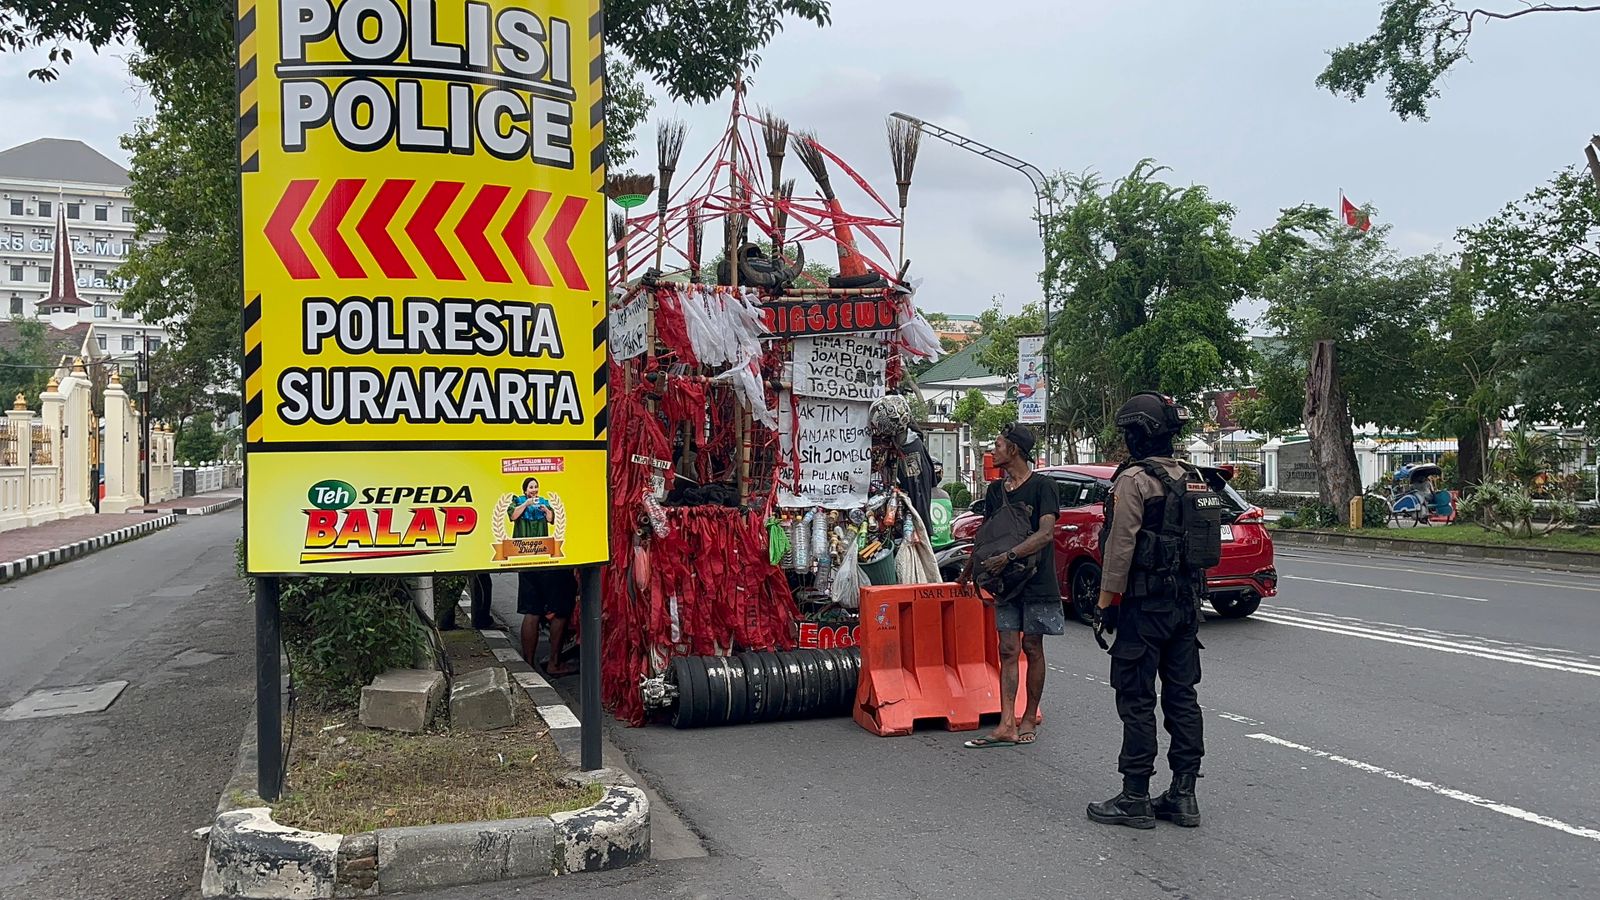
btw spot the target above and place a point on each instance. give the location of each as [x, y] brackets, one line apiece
[1507, 507]
[342, 630]
[1246, 479]
[960, 495]
[1317, 515]
[1374, 512]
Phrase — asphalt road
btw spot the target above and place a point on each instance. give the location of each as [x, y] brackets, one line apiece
[1384, 728]
[101, 805]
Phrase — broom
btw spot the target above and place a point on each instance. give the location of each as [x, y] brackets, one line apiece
[780, 220]
[619, 238]
[669, 146]
[850, 262]
[904, 140]
[697, 238]
[775, 133]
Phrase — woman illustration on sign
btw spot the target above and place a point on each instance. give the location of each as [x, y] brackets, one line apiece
[530, 514]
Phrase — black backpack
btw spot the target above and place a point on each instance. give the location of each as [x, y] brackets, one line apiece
[1003, 529]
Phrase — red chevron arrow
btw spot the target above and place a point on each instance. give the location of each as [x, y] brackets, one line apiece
[517, 232]
[374, 227]
[423, 229]
[279, 229]
[559, 241]
[470, 231]
[325, 228]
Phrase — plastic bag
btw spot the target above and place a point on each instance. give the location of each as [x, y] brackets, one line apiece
[777, 542]
[914, 562]
[849, 580]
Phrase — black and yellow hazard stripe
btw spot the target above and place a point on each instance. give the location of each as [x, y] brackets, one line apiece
[597, 95]
[253, 425]
[249, 105]
[602, 332]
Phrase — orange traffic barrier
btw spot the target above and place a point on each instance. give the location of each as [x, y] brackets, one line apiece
[928, 654]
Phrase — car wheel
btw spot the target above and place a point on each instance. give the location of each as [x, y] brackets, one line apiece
[1083, 592]
[1236, 606]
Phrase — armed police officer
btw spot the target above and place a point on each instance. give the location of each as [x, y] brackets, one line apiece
[1163, 529]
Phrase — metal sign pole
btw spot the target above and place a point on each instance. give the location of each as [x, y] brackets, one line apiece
[589, 671]
[269, 701]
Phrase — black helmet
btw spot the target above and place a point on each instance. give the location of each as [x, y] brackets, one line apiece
[1152, 415]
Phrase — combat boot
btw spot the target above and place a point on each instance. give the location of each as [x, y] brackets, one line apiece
[1178, 805]
[1127, 808]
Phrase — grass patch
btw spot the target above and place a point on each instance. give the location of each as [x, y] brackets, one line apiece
[347, 779]
[1472, 534]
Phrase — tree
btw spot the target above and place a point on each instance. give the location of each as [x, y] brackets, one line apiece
[1536, 270]
[1148, 274]
[1353, 311]
[1416, 43]
[25, 368]
[197, 440]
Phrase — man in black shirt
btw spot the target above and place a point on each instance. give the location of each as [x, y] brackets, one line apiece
[1023, 621]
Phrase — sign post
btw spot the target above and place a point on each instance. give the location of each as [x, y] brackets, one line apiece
[1033, 389]
[424, 280]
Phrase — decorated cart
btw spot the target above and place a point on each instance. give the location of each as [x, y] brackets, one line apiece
[764, 465]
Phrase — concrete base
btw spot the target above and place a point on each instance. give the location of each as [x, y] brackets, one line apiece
[481, 700]
[402, 699]
[116, 504]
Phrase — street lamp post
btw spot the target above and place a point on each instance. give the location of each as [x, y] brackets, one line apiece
[1044, 209]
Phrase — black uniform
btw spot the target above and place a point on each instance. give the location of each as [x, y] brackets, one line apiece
[1158, 624]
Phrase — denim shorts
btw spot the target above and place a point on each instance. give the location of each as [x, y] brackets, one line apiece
[1030, 616]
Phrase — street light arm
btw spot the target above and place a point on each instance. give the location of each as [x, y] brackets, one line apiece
[980, 148]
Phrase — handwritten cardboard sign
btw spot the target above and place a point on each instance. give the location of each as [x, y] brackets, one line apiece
[835, 453]
[840, 367]
[628, 329]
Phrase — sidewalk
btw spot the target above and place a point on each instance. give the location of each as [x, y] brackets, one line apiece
[27, 550]
[198, 505]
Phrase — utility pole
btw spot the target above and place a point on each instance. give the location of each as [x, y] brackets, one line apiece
[1044, 210]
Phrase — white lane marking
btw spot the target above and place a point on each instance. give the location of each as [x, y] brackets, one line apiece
[1560, 653]
[1380, 587]
[1501, 808]
[1521, 582]
[1387, 637]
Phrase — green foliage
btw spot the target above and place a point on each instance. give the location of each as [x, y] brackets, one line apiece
[1506, 507]
[1374, 512]
[1246, 479]
[1527, 459]
[960, 495]
[1535, 272]
[696, 49]
[1147, 274]
[198, 440]
[1416, 43]
[25, 369]
[627, 105]
[1323, 280]
[343, 630]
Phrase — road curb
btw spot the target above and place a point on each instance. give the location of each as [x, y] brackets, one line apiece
[249, 855]
[1566, 560]
[228, 503]
[45, 559]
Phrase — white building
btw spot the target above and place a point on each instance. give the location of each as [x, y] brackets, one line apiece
[53, 184]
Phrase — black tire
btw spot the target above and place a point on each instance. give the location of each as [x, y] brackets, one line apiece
[794, 684]
[739, 710]
[1083, 592]
[828, 698]
[755, 687]
[777, 687]
[678, 674]
[699, 693]
[1235, 606]
[852, 676]
[870, 279]
[717, 697]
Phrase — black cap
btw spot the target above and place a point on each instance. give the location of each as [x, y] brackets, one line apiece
[1020, 436]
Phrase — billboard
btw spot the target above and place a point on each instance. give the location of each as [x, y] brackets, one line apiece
[424, 283]
[1033, 393]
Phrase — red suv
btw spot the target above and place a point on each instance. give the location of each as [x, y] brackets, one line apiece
[1235, 586]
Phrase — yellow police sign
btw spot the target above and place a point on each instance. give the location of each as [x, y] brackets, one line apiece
[424, 273]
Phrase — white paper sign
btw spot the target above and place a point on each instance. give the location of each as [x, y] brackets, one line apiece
[1033, 394]
[835, 453]
[840, 366]
[628, 328]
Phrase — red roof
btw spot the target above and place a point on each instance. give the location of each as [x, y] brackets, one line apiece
[63, 274]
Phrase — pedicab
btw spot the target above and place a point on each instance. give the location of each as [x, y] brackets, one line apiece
[1414, 499]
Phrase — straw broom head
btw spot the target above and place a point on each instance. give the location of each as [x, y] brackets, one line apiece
[697, 241]
[669, 146]
[775, 132]
[904, 141]
[805, 147]
[780, 212]
[619, 229]
[629, 184]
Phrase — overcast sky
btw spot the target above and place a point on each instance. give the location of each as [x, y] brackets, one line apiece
[1221, 92]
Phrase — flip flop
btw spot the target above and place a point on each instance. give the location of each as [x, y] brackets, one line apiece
[985, 743]
[1027, 737]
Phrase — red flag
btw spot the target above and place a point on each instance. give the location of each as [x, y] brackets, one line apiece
[1354, 216]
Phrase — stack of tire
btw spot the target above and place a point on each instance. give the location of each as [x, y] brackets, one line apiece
[764, 686]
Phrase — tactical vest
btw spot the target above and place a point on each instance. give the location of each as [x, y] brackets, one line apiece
[1181, 537]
